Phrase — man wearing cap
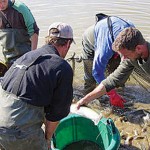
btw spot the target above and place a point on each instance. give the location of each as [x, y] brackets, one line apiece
[130, 44]
[18, 30]
[36, 89]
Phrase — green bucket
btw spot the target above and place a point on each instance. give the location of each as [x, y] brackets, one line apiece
[75, 128]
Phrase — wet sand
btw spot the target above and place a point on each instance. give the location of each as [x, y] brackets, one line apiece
[133, 122]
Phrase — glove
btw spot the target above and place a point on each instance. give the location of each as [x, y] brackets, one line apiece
[116, 99]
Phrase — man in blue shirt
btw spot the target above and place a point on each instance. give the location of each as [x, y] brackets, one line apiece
[97, 51]
[131, 44]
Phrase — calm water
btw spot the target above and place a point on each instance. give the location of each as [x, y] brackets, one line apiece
[80, 14]
[82, 145]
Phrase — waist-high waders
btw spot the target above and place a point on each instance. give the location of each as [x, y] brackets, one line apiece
[20, 122]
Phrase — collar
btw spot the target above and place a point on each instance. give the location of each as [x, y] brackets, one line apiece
[11, 3]
[51, 49]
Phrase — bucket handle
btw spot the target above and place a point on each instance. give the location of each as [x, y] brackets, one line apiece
[111, 124]
[52, 146]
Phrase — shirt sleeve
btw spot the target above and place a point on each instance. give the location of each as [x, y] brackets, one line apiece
[62, 95]
[103, 52]
[103, 44]
[28, 17]
[119, 76]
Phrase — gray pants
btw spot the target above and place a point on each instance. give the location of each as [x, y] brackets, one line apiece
[20, 124]
[88, 56]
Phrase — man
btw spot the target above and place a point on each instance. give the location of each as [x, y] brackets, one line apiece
[97, 52]
[38, 85]
[18, 30]
[131, 44]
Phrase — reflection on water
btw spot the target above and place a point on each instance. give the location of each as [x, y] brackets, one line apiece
[133, 122]
[80, 14]
[82, 145]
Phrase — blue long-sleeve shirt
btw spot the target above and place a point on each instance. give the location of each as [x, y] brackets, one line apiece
[103, 44]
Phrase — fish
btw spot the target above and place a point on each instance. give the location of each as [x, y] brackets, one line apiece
[86, 112]
[147, 119]
[136, 116]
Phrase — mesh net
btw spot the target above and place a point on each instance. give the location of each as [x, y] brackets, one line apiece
[141, 79]
[137, 77]
[77, 64]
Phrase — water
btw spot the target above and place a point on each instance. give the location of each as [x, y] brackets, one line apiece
[82, 145]
[80, 14]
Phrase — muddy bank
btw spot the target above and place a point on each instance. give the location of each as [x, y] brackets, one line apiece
[133, 122]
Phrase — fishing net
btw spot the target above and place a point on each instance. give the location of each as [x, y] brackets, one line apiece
[137, 77]
[77, 64]
[141, 79]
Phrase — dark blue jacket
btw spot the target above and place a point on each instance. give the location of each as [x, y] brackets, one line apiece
[47, 82]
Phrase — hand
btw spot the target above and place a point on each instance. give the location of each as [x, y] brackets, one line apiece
[116, 99]
[81, 103]
[49, 144]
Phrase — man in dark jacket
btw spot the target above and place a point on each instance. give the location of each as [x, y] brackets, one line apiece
[37, 87]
